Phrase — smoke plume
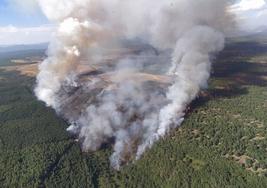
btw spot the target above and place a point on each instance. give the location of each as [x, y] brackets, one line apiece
[123, 72]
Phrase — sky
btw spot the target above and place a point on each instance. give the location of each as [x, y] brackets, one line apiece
[22, 21]
[251, 15]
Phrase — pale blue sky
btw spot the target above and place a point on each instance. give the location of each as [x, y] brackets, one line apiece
[12, 14]
[22, 22]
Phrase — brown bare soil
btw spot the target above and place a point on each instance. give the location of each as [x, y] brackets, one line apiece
[26, 69]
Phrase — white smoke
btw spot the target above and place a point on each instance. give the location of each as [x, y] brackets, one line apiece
[128, 100]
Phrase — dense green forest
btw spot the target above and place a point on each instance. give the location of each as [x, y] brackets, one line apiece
[222, 143]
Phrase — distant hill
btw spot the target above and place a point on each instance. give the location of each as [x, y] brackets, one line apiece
[259, 37]
[21, 52]
[16, 48]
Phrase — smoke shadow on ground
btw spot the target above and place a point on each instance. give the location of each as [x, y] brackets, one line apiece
[217, 93]
[243, 48]
[243, 73]
[235, 69]
[239, 63]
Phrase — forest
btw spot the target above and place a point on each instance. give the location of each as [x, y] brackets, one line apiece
[222, 142]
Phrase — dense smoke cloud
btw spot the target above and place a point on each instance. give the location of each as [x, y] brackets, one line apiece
[137, 94]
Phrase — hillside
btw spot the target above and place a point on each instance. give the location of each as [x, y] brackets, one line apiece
[222, 142]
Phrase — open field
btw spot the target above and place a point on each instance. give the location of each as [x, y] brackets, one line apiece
[222, 143]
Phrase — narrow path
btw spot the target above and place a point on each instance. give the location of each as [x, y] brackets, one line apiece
[52, 167]
[2, 144]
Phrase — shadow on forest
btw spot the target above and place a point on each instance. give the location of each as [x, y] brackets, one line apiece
[244, 49]
[234, 64]
[235, 71]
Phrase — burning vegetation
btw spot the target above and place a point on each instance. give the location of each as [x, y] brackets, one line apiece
[139, 94]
